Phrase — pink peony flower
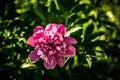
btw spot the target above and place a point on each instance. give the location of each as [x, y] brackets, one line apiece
[51, 45]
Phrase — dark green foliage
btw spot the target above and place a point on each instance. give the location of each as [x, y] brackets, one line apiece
[93, 23]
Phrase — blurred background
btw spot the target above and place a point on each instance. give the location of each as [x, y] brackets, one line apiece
[95, 24]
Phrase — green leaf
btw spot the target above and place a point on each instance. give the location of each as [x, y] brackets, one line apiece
[100, 43]
[89, 60]
[100, 55]
[82, 21]
[10, 64]
[72, 14]
[95, 35]
[89, 30]
[72, 30]
[28, 65]
[40, 14]
[79, 8]
[108, 23]
[6, 33]
[56, 4]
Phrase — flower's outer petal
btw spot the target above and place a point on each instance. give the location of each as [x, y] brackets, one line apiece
[51, 27]
[70, 51]
[34, 55]
[56, 28]
[38, 32]
[50, 63]
[70, 41]
[38, 28]
[31, 41]
[38, 35]
[60, 62]
[61, 29]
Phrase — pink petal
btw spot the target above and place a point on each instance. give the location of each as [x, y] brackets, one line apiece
[61, 29]
[34, 55]
[70, 40]
[51, 27]
[60, 62]
[31, 41]
[50, 63]
[38, 35]
[38, 28]
[38, 32]
[56, 28]
[70, 51]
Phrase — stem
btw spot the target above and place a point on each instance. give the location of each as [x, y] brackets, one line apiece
[66, 21]
[67, 59]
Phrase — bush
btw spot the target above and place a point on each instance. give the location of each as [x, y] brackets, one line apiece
[93, 23]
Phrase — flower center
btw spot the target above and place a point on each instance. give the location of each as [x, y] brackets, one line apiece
[51, 43]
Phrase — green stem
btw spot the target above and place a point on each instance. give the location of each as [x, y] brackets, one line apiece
[67, 59]
[66, 21]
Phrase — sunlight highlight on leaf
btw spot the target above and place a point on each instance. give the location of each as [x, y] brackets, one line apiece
[72, 30]
[28, 65]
